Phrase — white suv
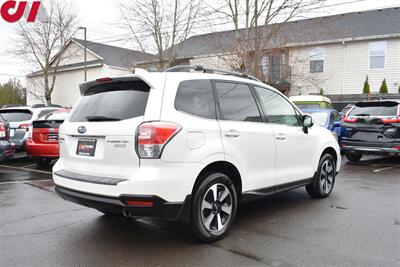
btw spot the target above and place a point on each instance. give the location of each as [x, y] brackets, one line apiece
[189, 146]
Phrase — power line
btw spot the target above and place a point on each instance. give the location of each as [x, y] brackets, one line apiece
[121, 36]
[12, 75]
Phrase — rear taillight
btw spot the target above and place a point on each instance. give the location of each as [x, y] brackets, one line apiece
[350, 120]
[151, 138]
[24, 126]
[391, 120]
[3, 131]
[30, 131]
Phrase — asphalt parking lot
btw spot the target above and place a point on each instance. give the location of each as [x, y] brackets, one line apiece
[359, 225]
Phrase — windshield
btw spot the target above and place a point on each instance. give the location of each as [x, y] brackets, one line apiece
[375, 109]
[319, 118]
[112, 102]
[16, 115]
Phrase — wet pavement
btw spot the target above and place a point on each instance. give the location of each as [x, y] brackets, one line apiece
[359, 225]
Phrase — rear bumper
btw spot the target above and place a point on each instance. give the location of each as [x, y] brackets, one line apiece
[159, 208]
[371, 150]
[42, 150]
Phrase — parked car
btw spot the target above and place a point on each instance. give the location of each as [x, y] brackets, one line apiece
[42, 141]
[372, 127]
[6, 148]
[311, 101]
[20, 118]
[189, 147]
[346, 109]
[327, 118]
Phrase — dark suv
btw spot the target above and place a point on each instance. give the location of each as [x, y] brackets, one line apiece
[372, 127]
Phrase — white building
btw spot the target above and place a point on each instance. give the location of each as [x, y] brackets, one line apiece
[102, 61]
[333, 53]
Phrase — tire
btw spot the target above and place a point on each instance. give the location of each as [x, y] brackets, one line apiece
[354, 156]
[324, 180]
[212, 218]
[43, 162]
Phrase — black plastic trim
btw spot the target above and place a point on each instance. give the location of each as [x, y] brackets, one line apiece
[267, 191]
[161, 208]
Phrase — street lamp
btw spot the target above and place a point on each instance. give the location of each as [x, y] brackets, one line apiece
[85, 45]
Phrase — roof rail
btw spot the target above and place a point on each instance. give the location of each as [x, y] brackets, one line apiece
[187, 68]
[45, 106]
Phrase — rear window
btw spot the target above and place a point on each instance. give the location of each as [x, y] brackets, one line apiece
[16, 115]
[112, 102]
[380, 109]
[307, 106]
[319, 118]
[57, 116]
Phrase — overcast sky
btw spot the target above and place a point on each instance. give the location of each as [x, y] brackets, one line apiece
[101, 19]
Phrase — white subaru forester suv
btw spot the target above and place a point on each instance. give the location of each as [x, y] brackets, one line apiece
[189, 146]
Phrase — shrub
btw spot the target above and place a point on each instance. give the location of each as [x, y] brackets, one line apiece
[321, 92]
[384, 88]
[366, 89]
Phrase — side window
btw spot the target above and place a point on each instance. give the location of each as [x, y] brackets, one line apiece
[196, 97]
[237, 102]
[277, 108]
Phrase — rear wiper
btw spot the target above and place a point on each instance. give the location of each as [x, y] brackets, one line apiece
[363, 115]
[100, 118]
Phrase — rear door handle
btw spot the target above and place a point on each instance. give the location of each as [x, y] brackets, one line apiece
[281, 137]
[232, 134]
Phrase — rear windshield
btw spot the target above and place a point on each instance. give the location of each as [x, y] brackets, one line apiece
[16, 115]
[55, 116]
[319, 118]
[380, 109]
[307, 106]
[112, 102]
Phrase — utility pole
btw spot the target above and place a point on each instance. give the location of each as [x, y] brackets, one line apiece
[85, 53]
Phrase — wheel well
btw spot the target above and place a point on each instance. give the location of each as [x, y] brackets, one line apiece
[332, 152]
[224, 167]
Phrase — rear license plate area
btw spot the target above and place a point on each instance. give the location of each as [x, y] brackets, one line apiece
[86, 147]
[52, 137]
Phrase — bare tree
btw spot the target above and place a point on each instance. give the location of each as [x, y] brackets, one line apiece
[261, 22]
[159, 26]
[41, 44]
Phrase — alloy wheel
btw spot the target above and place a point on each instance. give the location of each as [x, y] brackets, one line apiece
[216, 208]
[327, 176]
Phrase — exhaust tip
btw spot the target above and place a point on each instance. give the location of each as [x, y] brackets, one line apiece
[127, 213]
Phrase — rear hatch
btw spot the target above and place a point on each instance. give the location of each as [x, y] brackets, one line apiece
[98, 137]
[372, 124]
[45, 131]
[18, 121]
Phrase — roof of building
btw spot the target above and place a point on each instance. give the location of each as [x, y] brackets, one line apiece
[116, 56]
[342, 27]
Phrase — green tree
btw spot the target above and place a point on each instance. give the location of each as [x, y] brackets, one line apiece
[321, 91]
[12, 92]
[366, 89]
[384, 88]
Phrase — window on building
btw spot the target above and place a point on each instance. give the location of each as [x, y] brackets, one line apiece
[317, 57]
[237, 102]
[196, 97]
[377, 51]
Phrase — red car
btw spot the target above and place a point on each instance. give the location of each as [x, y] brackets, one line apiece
[42, 142]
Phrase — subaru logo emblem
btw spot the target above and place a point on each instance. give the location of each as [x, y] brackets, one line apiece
[82, 129]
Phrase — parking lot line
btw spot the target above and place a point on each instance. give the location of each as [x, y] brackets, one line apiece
[25, 181]
[28, 166]
[24, 169]
[385, 169]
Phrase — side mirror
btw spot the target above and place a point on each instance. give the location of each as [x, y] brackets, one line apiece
[307, 123]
